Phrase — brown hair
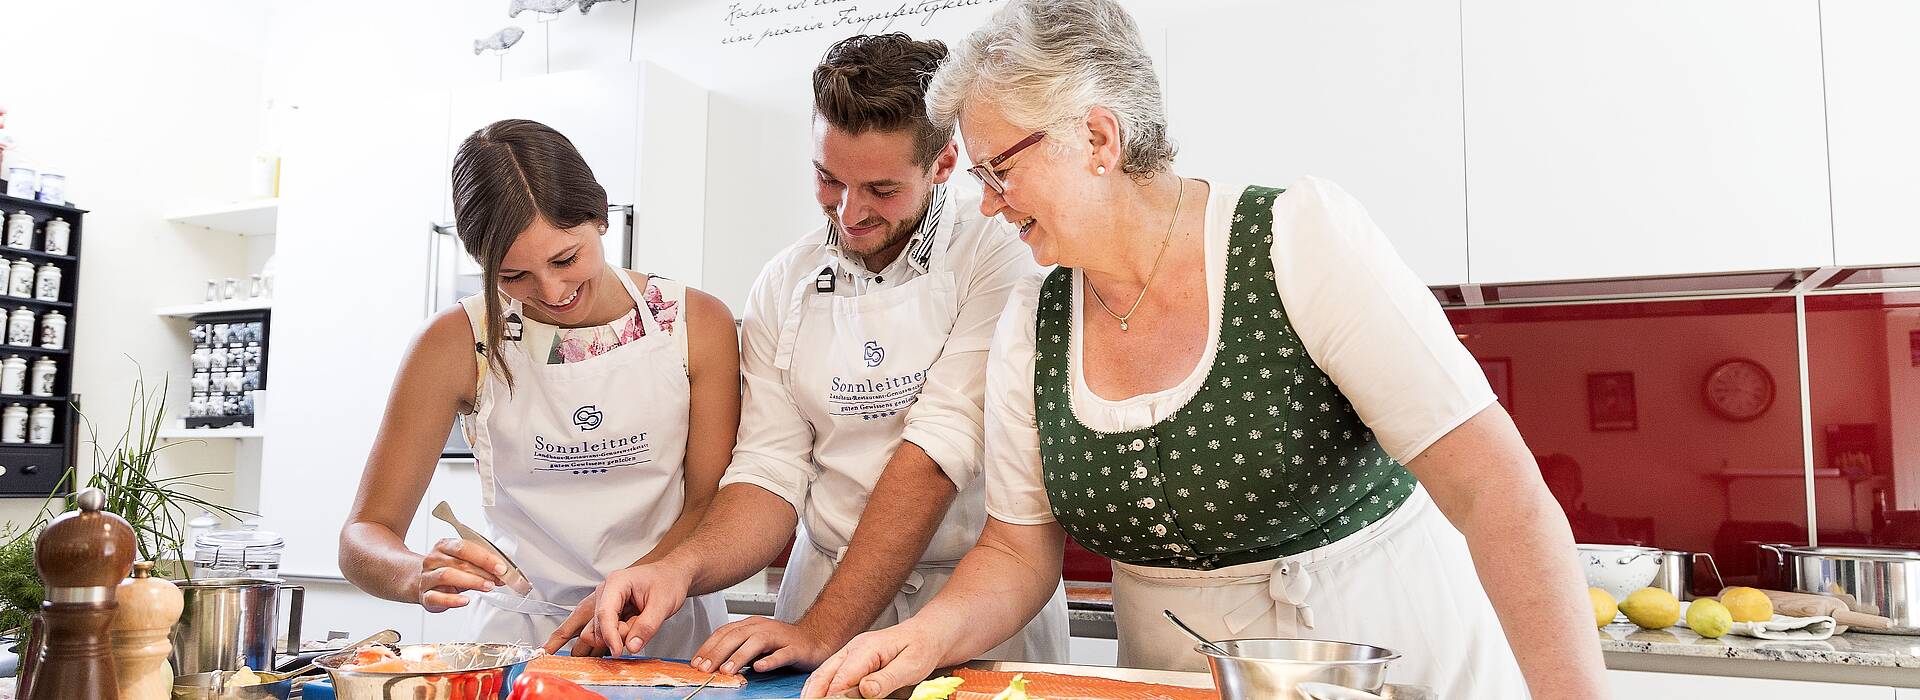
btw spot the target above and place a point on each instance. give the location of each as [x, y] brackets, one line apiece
[878, 82]
[504, 175]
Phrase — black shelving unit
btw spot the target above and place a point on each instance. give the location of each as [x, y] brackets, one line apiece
[29, 469]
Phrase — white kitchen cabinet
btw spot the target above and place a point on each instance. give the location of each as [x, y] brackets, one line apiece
[355, 210]
[1873, 105]
[641, 129]
[1643, 137]
[1366, 94]
[1642, 684]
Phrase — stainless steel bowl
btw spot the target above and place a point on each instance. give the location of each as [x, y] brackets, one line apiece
[484, 673]
[1874, 580]
[1272, 669]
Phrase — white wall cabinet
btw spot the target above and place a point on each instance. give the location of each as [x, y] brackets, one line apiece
[1366, 94]
[1873, 105]
[641, 129]
[1643, 137]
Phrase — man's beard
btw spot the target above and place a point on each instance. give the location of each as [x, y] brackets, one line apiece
[895, 237]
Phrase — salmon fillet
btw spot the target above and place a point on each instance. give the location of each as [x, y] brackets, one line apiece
[636, 672]
[982, 685]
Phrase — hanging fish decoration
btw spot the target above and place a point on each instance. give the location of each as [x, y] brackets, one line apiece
[499, 41]
[548, 7]
[588, 4]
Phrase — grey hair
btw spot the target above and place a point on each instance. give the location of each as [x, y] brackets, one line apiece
[1046, 63]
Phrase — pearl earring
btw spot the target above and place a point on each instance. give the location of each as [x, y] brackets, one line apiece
[1100, 170]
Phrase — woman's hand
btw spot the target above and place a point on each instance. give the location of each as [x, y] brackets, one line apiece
[877, 663]
[453, 567]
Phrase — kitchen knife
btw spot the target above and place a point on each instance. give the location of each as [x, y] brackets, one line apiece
[515, 581]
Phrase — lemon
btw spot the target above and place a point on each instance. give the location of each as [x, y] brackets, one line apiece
[1709, 618]
[1747, 604]
[1603, 606]
[1651, 608]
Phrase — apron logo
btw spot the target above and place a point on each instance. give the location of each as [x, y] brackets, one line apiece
[587, 417]
[875, 354]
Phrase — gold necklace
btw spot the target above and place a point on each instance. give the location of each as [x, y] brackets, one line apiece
[1164, 242]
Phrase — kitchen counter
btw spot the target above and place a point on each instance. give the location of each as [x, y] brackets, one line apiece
[1854, 657]
[1089, 604]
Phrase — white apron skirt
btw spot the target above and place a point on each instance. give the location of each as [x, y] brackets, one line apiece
[582, 471]
[1406, 583]
[1043, 640]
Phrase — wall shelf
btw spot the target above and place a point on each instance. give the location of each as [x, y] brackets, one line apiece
[253, 218]
[184, 434]
[191, 310]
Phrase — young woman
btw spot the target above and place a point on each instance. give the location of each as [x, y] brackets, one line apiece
[601, 405]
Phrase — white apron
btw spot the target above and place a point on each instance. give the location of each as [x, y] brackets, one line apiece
[1406, 583]
[581, 471]
[860, 362]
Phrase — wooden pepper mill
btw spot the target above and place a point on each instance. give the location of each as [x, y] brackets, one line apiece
[147, 609]
[82, 555]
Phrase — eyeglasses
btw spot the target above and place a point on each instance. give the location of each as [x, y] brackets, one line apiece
[984, 171]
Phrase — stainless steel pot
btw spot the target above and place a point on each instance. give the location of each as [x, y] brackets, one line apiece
[1874, 580]
[1272, 669]
[226, 623]
[1676, 573]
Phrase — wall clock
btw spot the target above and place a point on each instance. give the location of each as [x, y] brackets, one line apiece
[1738, 389]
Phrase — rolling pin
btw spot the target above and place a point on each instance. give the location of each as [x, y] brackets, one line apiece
[1811, 605]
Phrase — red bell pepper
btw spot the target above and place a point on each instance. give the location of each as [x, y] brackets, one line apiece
[541, 686]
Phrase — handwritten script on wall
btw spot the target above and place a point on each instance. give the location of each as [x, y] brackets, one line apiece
[751, 24]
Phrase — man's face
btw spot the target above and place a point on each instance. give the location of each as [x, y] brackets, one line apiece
[871, 189]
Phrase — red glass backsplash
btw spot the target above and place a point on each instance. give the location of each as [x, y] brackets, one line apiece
[1614, 401]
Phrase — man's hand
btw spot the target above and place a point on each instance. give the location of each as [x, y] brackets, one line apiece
[781, 644]
[877, 663]
[626, 610]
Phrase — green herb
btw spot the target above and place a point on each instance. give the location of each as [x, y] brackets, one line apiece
[157, 508]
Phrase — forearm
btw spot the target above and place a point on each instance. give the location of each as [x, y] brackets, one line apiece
[1000, 585]
[906, 508]
[1522, 551]
[375, 559]
[681, 529]
[738, 537]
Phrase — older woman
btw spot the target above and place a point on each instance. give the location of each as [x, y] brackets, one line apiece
[1237, 393]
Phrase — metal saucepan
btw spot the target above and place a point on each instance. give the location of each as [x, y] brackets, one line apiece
[226, 623]
[485, 672]
[1272, 669]
[1875, 580]
[1676, 573]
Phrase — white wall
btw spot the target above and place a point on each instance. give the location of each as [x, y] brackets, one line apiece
[146, 109]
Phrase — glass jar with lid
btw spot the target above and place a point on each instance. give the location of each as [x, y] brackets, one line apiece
[245, 553]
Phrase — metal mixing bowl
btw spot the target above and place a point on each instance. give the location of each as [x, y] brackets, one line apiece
[486, 671]
[1270, 669]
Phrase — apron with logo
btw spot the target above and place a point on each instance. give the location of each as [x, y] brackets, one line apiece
[860, 362]
[581, 472]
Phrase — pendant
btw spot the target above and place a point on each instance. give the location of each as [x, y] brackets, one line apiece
[1123, 325]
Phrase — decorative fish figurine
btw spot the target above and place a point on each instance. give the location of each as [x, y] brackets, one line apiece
[588, 4]
[548, 7]
[499, 41]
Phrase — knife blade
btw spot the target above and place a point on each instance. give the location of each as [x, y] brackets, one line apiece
[515, 581]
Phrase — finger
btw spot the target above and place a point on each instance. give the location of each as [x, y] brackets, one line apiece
[780, 658]
[613, 597]
[857, 664]
[641, 628]
[448, 577]
[721, 644]
[569, 629]
[442, 561]
[479, 556]
[817, 682]
[905, 667]
[443, 599]
[752, 646]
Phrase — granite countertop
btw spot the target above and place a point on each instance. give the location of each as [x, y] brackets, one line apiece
[1851, 649]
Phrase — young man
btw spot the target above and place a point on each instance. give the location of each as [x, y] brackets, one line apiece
[864, 352]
